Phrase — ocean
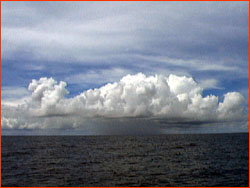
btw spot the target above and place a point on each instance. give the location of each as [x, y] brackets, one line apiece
[159, 160]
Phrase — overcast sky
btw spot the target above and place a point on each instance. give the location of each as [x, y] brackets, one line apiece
[90, 44]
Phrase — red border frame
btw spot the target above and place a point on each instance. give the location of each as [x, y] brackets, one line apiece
[0, 92]
[103, 0]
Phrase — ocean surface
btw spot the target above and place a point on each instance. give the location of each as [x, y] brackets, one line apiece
[164, 160]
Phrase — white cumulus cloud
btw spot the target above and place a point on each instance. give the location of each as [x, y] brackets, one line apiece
[171, 98]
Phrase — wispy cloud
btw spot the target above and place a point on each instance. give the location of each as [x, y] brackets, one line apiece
[98, 76]
[210, 84]
[14, 96]
[193, 64]
[97, 32]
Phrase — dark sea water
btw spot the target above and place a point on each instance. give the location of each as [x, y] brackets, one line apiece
[164, 160]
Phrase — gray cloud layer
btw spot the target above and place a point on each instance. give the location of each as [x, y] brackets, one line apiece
[209, 35]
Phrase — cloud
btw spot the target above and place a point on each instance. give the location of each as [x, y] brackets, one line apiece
[195, 64]
[231, 106]
[13, 92]
[46, 94]
[12, 96]
[210, 84]
[98, 76]
[98, 32]
[97, 42]
[172, 98]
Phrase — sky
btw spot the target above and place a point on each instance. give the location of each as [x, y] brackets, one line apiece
[124, 67]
